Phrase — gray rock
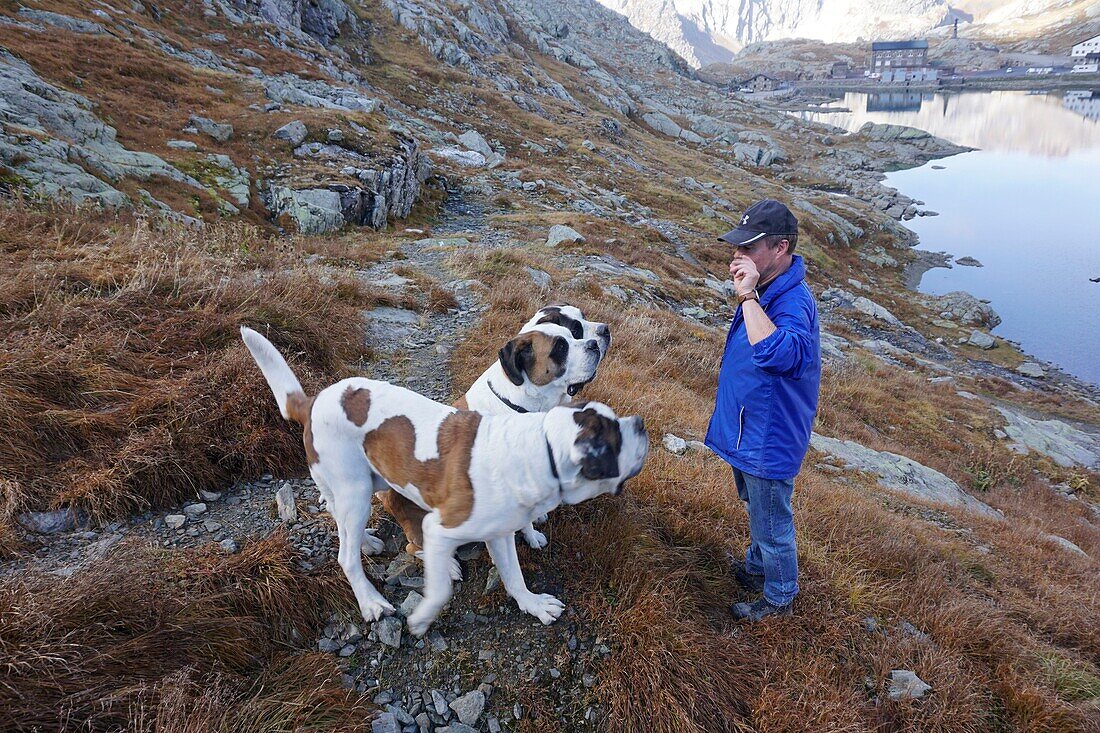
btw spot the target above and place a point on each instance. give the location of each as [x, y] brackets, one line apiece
[981, 340]
[456, 728]
[183, 145]
[901, 474]
[874, 310]
[468, 158]
[541, 278]
[294, 132]
[388, 631]
[1066, 544]
[662, 123]
[560, 233]
[328, 646]
[1031, 369]
[968, 262]
[1065, 445]
[410, 603]
[473, 140]
[964, 308]
[674, 444]
[228, 546]
[440, 703]
[313, 210]
[905, 685]
[469, 707]
[175, 521]
[60, 520]
[335, 135]
[292, 89]
[284, 502]
[194, 510]
[64, 22]
[385, 723]
[220, 131]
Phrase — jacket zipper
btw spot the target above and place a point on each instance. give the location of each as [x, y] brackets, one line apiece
[740, 427]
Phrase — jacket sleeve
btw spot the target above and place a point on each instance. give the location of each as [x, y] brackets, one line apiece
[787, 351]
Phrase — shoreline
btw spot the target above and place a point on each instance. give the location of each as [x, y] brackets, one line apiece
[1087, 81]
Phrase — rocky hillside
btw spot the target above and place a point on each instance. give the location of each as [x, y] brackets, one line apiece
[389, 188]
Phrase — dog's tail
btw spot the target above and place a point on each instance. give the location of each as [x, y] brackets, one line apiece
[293, 403]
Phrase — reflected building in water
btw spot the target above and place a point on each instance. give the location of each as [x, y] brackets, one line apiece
[894, 102]
[1085, 103]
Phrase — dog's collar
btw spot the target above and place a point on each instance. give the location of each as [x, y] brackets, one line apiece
[554, 469]
[505, 400]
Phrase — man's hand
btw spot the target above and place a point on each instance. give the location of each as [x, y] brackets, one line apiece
[744, 274]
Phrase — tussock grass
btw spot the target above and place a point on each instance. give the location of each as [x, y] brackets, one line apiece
[150, 640]
[123, 380]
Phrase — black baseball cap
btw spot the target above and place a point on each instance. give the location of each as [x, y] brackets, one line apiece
[762, 218]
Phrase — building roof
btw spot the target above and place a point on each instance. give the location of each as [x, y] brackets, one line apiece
[897, 45]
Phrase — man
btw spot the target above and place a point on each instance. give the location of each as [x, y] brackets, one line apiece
[767, 398]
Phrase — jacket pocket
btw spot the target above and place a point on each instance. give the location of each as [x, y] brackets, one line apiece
[740, 426]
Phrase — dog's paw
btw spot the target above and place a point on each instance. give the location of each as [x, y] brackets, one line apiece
[535, 539]
[371, 545]
[541, 519]
[374, 610]
[419, 623]
[543, 606]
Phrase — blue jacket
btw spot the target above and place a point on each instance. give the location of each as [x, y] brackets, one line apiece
[767, 393]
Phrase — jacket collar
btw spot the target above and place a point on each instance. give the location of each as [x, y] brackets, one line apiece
[795, 274]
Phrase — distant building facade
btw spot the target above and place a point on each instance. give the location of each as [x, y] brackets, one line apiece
[890, 55]
[759, 83]
[840, 70]
[1088, 47]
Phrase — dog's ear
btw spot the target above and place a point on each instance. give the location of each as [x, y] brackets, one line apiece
[515, 358]
[598, 444]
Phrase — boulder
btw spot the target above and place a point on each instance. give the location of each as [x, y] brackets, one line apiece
[218, 130]
[900, 473]
[473, 140]
[285, 504]
[1062, 443]
[904, 683]
[559, 233]
[311, 210]
[1031, 369]
[981, 339]
[469, 707]
[870, 308]
[964, 308]
[662, 123]
[674, 444]
[294, 132]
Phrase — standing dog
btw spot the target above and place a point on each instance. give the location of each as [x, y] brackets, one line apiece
[524, 378]
[478, 477]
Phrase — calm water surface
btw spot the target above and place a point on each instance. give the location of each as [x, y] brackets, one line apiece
[1026, 205]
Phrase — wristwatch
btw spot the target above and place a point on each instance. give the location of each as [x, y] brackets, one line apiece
[753, 295]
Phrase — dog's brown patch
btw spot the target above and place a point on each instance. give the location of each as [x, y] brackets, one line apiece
[300, 409]
[603, 441]
[444, 482]
[542, 368]
[408, 515]
[356, 404]
[461, 403]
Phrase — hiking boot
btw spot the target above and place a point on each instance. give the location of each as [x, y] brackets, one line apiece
[745, 579]
[757, 610]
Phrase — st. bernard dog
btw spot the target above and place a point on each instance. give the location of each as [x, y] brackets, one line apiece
[529, 375]
[479, 478]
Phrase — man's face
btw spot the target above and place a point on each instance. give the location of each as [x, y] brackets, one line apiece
[769, 261]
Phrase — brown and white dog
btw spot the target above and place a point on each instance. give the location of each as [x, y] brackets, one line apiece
[529, 375]
[479, 478]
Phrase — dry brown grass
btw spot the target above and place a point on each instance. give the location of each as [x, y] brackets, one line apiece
[150, 640]
[124, 381]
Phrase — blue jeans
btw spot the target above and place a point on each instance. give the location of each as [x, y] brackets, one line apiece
[772, 552]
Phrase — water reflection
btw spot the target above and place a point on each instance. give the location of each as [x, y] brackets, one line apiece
[1052, 125]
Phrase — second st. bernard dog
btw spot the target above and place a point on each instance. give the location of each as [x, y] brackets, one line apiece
[479, 478]
[526, 377]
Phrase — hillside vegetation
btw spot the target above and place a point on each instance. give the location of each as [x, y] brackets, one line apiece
[125, 391]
